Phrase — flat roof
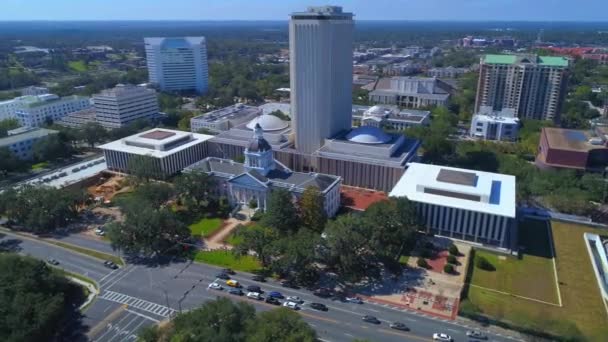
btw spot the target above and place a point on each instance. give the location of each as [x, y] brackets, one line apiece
[27, 135]
[151, 142]
[540, 60]
[490, 193]
[568, 139]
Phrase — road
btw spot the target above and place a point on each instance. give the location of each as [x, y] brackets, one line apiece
[139, 295]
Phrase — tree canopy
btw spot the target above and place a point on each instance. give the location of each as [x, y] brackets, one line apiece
[281, 213]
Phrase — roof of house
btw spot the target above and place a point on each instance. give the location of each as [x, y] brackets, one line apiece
[484, 192]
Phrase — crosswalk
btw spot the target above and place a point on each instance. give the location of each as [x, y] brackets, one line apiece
[144, 305]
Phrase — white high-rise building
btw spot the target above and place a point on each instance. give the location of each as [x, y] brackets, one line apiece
[321, 69]
[124, 104]
[35, 111]
[178, 64]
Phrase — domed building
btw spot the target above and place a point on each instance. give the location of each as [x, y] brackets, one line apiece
[368, 135]
[268, 123]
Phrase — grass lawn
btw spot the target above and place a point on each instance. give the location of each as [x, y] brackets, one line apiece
[89, 252]
[78, 66]
[223, 258]
[205, 227]
[404, 259]
[529, 276]
[582, 315]
[40, 166]
[235, 238]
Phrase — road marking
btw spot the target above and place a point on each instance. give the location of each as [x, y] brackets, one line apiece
[137, 303]
[403, 334]
[452, 330]
[364, 327]
[124, 330]
[109, 274]
[373, 310]
[121, 277]
[105, 323]
[114, 326]
[143, 316]
[349, 335]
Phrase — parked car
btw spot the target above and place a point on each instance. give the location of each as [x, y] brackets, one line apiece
[323, 292]
[275, 294]
[228, 271]
[289, 284]
[273, 301]
[52, 261]
[355, 300]
[110, 264]
[233, 283]
[291, 305]
[258, 278]
[476, 334]
[236, 292]
[100, 231]
[254, 288]
[442, 337]
[254, 295]
[215, 286]
[222, 276]
[370, 319]
[295, 299]
[319, 306]
[399, 326]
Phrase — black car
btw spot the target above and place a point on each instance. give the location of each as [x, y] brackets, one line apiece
[228, 271]
[273, 300]
[237, 292]
[289, 284]
[322, 292]
[258, 278]
[222, 276]
[399, 326]
[254, 288]
[319, 306]
[370, 319]
[109, 264]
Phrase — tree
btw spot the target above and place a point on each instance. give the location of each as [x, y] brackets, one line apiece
[93, 133]
[448, 268]
[281, 213]
[483, 263]
[6, 125]
[348, 250]
[454, 250]
[156, 194]
[51, 147]
[312, 211]
[297, 256]
[279, 114]
[36, 302]
[421, 262]
[196, 190]
[8, 161]
[260, 240]
[144, 168]
[280, 325]
[147, 230]
[452, 259]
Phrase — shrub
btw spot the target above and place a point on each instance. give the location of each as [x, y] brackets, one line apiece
[429, 245]
[422, 263]
[448, 268]
[253, 204]
[454, 250]
[426, 253]
[452, 260]
[484, 264]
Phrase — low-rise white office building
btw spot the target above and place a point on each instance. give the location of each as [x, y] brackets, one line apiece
[21, 142]
[171, 150]
[123, 104]
[390, 117]
[462, 204]
[224, 119]
[33, 91]
[411, 92]
[495, 125]
[35, 111]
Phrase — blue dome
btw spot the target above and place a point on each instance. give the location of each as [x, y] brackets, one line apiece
[368, 135]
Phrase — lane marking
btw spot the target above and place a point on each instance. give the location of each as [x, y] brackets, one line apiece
[114, 326]
[93, 332]
[403, 334]
[143, 316]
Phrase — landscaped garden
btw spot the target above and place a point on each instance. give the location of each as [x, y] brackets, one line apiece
[205, 227]
[226, 258]
[582, 316]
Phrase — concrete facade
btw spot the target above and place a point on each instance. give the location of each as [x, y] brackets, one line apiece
[123, 104]
[22, 144]
[35, 111]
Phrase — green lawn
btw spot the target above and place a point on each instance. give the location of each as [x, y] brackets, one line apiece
[206, 227]
[95, 254]
[582, 315]
[40, 166]
[403, 260]
[236, 238]
[227, 259]
[78, 66]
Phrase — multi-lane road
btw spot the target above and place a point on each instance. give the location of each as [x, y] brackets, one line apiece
[138, 295]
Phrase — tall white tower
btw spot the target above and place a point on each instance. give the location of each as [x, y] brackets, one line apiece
[321, 73]
[178, 63]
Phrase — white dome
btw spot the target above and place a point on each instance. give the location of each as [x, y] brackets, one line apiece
[368, 135]
[376, 110]
[268, 123]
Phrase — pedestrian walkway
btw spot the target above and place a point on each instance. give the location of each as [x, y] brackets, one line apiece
[132, 302]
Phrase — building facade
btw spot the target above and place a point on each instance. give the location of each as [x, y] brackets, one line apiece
[35, 111]
[260, 174]
[411, 92]
[178, 63]
[33, 91]
[560, 148]
[492, 125]
[467, 205]
[78, 119]
[390, 117]
[123, 104]
[171, 151]
[320, 47]
[447, 72]
[224, 118]
[22, 144]
[534, 86]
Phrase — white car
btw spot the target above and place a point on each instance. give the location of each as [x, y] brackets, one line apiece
[215, 286]
[99, 231]
[355, 300]
[295, 299]
[291, 305]
[254, 295]
[442, 337]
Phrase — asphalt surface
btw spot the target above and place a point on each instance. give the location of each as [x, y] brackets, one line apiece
[139, 295]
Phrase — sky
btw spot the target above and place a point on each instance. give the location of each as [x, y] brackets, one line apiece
[463, 10]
